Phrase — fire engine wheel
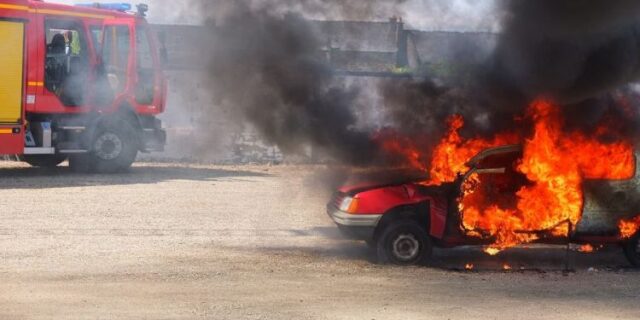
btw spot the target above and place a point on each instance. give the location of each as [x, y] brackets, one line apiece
[404, 242]
[114, 148]
[44, 161]
[632, 250]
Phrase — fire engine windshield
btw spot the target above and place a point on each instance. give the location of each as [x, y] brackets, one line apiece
[115, 55]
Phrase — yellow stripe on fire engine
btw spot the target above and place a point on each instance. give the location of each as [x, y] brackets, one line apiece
[11, 64]
[13, 7]
[35, 84]
[6, 131]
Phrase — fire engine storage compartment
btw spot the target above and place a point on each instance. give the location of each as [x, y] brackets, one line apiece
[11, 86]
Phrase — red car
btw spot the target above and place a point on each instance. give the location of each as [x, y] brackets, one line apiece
[403, 221]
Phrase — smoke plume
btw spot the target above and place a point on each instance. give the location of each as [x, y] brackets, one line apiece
[570, 50]
[580, 54]
[267, 66]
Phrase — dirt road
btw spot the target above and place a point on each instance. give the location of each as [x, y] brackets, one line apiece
[171, 241]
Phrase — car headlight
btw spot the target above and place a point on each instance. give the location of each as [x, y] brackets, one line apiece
[349, 204]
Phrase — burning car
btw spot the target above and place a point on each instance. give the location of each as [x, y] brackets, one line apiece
[404, 221]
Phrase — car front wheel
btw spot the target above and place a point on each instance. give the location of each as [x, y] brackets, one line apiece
[404, 242]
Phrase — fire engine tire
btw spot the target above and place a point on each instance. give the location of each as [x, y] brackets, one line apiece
[44, 161]
[371, 244]
[115, 147]
[632, 250]
[404, 242]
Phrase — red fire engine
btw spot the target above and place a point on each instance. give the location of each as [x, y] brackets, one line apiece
[82, 83]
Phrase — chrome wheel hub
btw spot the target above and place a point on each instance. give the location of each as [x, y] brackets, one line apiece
[406, 247]
[108, 146]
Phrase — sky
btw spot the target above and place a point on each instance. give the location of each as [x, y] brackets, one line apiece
[160, 11]
[451, 15]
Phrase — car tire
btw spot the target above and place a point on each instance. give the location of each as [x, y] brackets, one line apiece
[404, 242]
[44, 161]
[115, 147]
[632, 250]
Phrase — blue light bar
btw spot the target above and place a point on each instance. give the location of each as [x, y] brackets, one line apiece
[122, 7]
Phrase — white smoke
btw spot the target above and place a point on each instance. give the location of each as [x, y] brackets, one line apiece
[160, 11]
[449, 15]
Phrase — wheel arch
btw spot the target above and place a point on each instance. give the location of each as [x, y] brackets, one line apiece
[418, 212]
[127, 113]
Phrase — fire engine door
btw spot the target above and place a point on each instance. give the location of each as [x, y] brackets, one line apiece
[11, 87]
[117, 55]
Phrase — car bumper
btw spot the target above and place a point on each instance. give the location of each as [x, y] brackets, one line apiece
[355, 226]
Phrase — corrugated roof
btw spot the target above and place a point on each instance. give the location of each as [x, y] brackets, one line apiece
[359, 36]
[348, 45]
[439, 46]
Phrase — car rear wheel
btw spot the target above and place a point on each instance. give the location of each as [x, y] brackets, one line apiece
[632, 250]
[404, 242]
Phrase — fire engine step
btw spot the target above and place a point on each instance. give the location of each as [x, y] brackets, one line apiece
[73, 128]
[39, 151]
[76, 151]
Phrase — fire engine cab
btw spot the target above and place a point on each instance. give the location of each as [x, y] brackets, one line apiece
[82, 83]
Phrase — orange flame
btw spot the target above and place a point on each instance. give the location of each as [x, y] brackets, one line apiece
[555, 163]
[402, 146]
[506, 267]
[452, 153]
[468, 266]
[586, 248]
[548, 198]
[491, 251]
[629, 227]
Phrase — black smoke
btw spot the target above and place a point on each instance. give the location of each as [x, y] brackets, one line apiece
[267, 66]
[583, 55]
[580, 54]
[569, 50]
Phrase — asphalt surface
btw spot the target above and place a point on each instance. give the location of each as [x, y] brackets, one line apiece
[177, 241]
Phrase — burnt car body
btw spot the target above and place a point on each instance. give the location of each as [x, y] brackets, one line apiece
[403, 221]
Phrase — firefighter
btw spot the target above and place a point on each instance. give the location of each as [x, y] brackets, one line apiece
[57, 45]
[54, 67]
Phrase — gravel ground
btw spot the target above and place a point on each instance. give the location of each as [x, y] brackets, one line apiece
[176, 241]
